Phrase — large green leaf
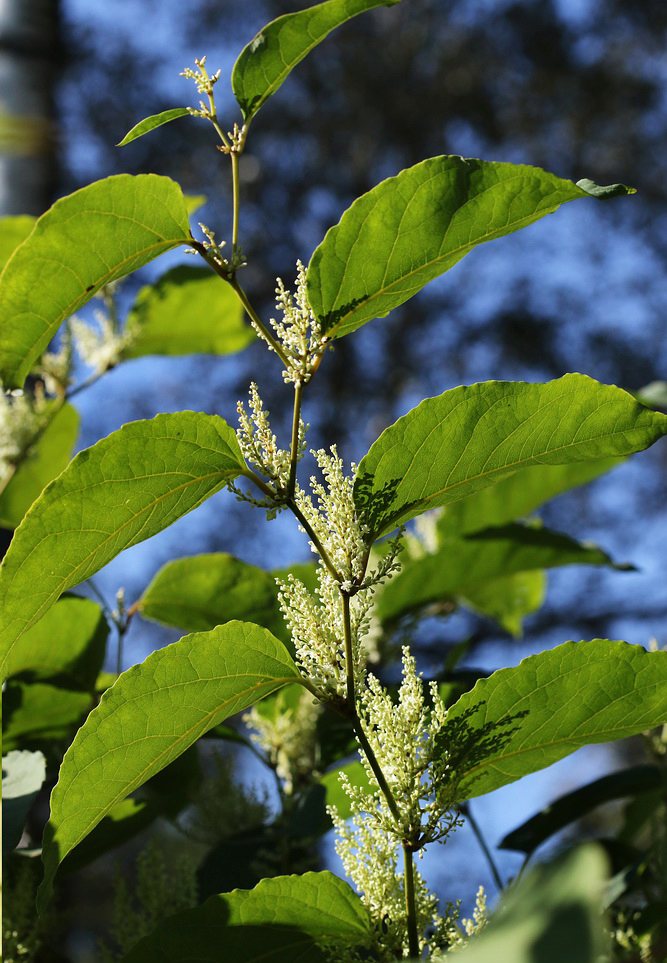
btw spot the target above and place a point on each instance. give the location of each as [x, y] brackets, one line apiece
[413, 227]
[529, 716]
[202, 591]
[69, 643]
[152, 714]
[470, 437]
[46, 459]
[518, 496]
[123, 822]
[92, 237]
[264, 64]
[573, 805]
[282, 920]
[22, 776]
[550, 915]
[462, 563]
[13, 231]
[121, 491]
[188, 310]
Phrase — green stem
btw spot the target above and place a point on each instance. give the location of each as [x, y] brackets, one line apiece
[294, 451]
[243, 298]
[322, 552]
[474, 825]
[236, 202]
[410, 906]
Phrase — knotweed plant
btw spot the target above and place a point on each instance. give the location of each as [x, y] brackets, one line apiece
[302, 652]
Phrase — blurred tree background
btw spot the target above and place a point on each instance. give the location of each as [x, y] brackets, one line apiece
[576, 86]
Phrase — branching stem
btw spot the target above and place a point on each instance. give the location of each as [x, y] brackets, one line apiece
[474, 825]
[236, 202]
[294, 451]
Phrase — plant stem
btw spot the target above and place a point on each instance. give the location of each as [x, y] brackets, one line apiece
[410, 907]
[474, 825]
[236, 202]
[322, 552]
[294, 451]
[243, 298]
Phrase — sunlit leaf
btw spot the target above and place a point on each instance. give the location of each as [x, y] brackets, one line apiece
[96, 235]
[282, 920]
[413, 227]
[524, 718]
[188, 310]
[265, 63]
[121, 491]
[152, 714]
[22, 776]
[46, 459]
[551, 914]
[451, 446]
[148, 124]
[13, 231]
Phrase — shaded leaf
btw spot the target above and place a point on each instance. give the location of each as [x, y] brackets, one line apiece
[552, 914]
[202, 591]
[148, 124]
[518, 495]
[573, 805]
[121, 491]
[460, 564]
[265, 63]
[151, 715]
[22, 776]
[46, 459]
[451, 446]
[509, 599]
[281, 920]
[413, 227]
[96, 235]
[188, 310]
[68, 642]
[524, 718]
[13, 231]
[34, 713]
[336, 796]
[123, 822]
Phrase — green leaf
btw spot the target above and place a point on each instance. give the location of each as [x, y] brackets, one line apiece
[518, 496]
[573, 805]
[413, 227]
[123, 822]
[148, 124]
[508, 599]
[265, 63]
[282, 920]
[203, 591]
[604, 193]
[96, 235]
[524, 718]
[46, 459]
[35, 713]
[69, 642]
[152, 714]
[189, 310]
[193, 202]
[121, 491]
[13, 231]
[461, 564]
[458, 443]
[550, 915]
[22, 776]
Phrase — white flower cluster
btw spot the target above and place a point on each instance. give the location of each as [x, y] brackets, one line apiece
[403, 739]
[259, 444]
[99, 346]
[55, 367]
[370, 858]
[288, 738]
[21, 418]
[204, 84]
[299, 332]
[316, 624]
[334, 520]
